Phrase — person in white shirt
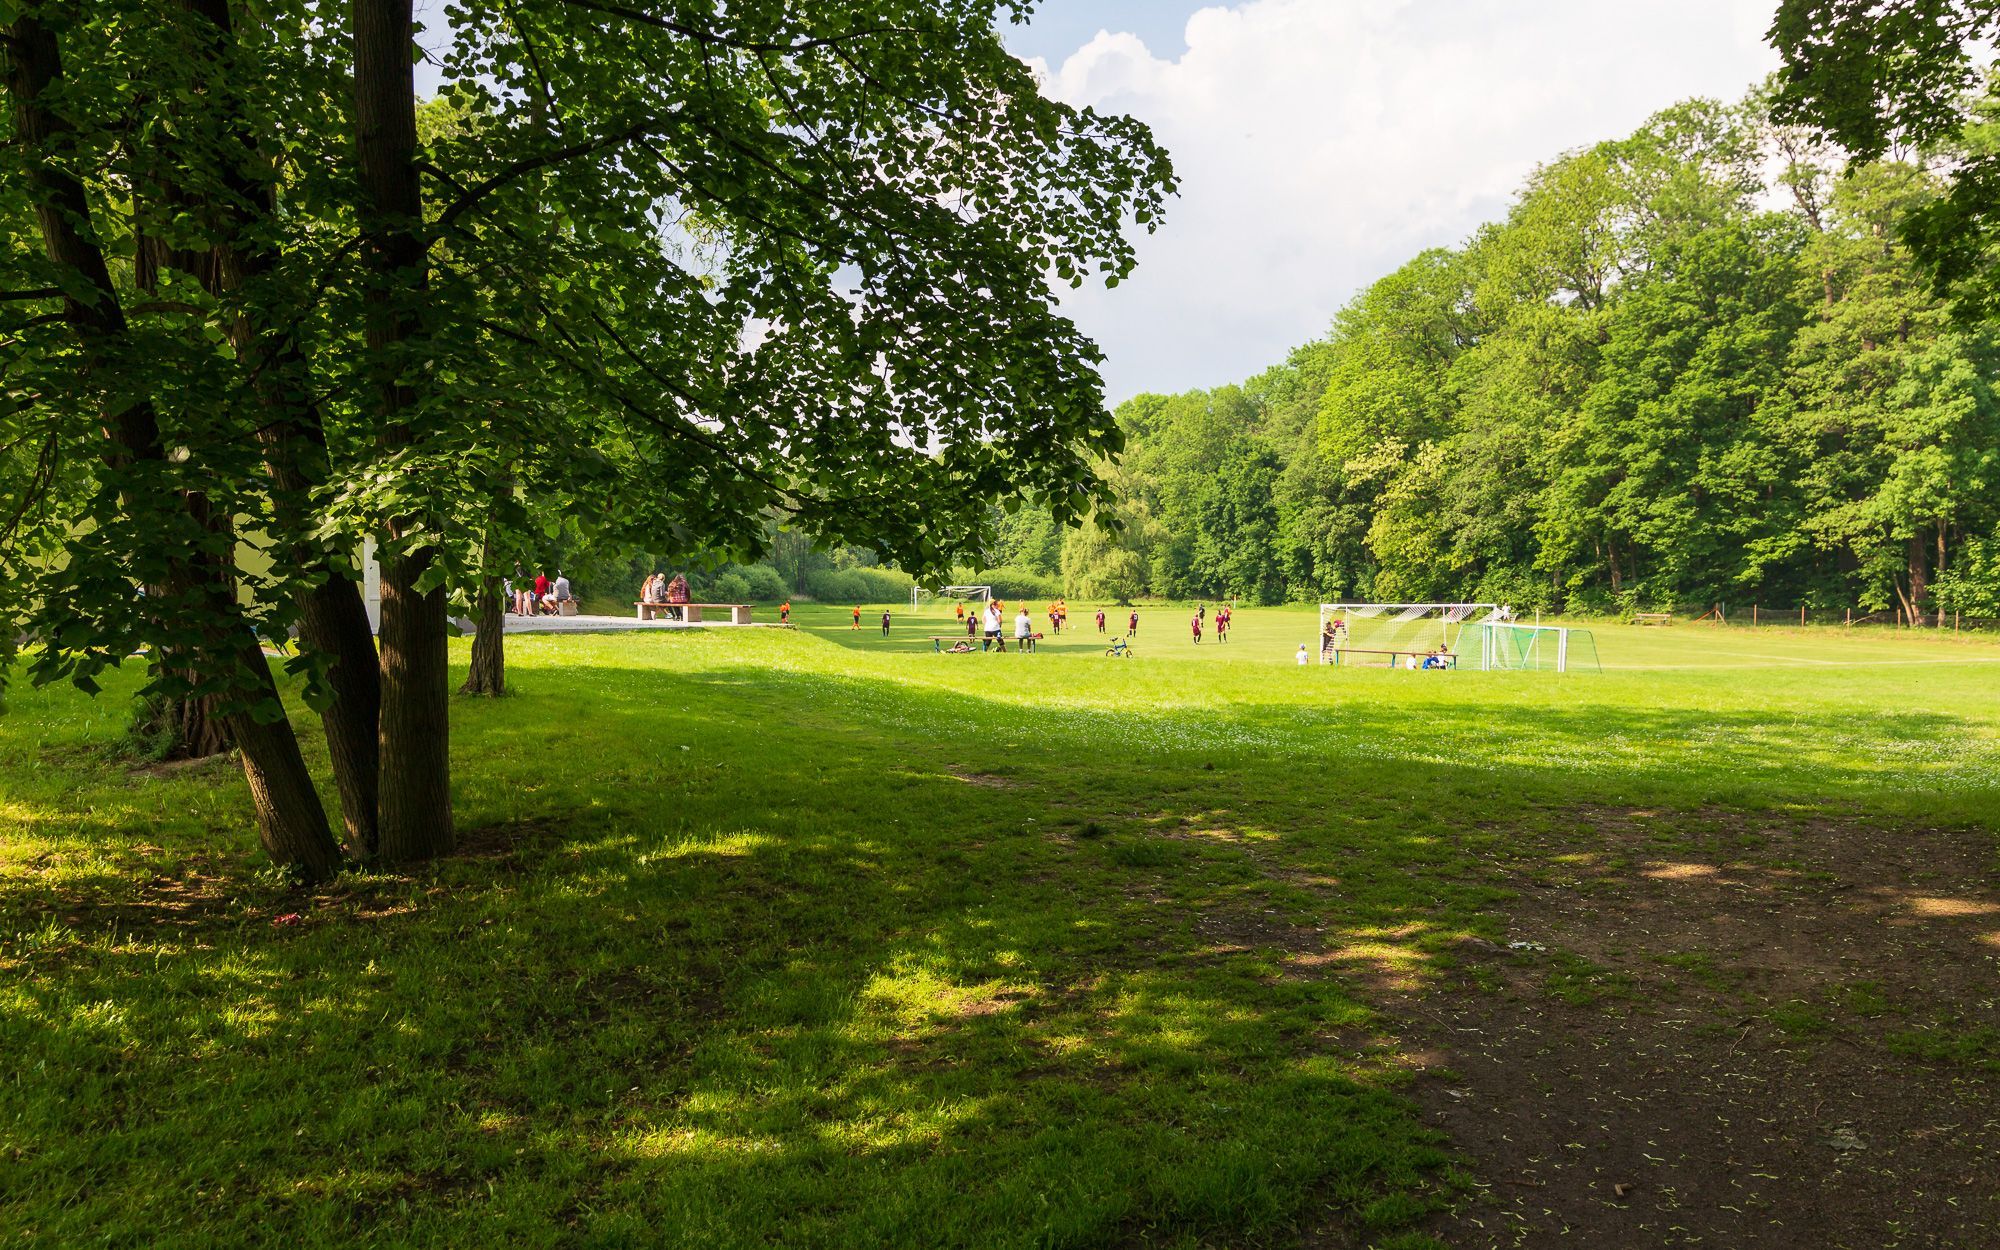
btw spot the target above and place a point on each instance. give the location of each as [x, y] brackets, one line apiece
[562, 588]
[993, 637]
[1024, 631]
[1303, 660]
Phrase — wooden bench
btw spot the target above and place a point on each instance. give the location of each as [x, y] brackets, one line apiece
[1652, 618]
[691, 613]
[1450, 660]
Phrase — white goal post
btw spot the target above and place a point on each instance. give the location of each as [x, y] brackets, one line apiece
[1510, 645]
[1394, 634]
[1481, 636]
[923, 594]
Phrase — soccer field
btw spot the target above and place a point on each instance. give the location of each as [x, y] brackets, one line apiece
[1272, 634]
[811, 938]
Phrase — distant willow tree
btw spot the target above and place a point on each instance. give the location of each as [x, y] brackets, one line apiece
[696, 266]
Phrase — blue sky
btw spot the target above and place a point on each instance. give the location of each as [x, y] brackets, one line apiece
[1062, 26]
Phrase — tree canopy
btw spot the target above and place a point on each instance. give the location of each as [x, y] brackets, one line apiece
[675, 270]
[1695, 364]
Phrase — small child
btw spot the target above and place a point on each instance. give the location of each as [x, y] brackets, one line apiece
[1302, 655]
[885, 622]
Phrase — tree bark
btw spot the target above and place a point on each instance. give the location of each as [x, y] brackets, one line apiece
[185, 727]
[1937, 569]
[194, 726]
[415, 800]
[333, 621]
[191, 728]
[488, 673]
[1919, 574]
[290, 819]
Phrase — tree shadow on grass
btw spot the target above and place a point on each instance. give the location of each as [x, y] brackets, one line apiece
[747, 957]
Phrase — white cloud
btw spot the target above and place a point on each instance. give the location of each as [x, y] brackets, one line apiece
[1321, 143]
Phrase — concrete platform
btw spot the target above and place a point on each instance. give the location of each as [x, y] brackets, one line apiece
[601, 625]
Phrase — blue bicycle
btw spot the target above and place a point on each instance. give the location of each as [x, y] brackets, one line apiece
[1120, 648]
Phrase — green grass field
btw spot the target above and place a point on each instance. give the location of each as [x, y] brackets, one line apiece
[812, 938]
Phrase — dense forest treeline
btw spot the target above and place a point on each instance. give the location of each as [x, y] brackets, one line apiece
[1692, 365]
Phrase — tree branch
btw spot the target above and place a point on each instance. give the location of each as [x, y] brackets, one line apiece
[709, 38]
[528, 165]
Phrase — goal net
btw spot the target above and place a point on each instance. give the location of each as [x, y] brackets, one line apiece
[1386, 635]
[1498, 645]
[920, 595]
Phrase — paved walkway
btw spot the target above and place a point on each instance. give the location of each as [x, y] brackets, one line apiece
[600, 624]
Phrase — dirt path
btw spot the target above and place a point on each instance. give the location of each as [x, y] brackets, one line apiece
[1707, 1031]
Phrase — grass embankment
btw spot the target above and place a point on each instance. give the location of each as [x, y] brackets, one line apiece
[808, 938]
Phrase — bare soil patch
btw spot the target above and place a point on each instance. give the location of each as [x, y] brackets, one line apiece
[1726, 1031]
[985, 781]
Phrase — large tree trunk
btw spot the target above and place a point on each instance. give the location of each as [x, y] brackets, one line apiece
[1937, 570]
[333, 621]
[416, 703]
[290, 819]
[1919, 571]
[415, 808]
[184, 728]
[177, 727]
[488, 673]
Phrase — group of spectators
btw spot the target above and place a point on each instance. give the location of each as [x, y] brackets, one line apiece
[659, 588]
[537, 597]
[991, 621]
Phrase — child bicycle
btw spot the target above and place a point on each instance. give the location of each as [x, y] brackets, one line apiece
[1121, 648]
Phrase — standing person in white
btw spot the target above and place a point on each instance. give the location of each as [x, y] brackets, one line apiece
[993, 637]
